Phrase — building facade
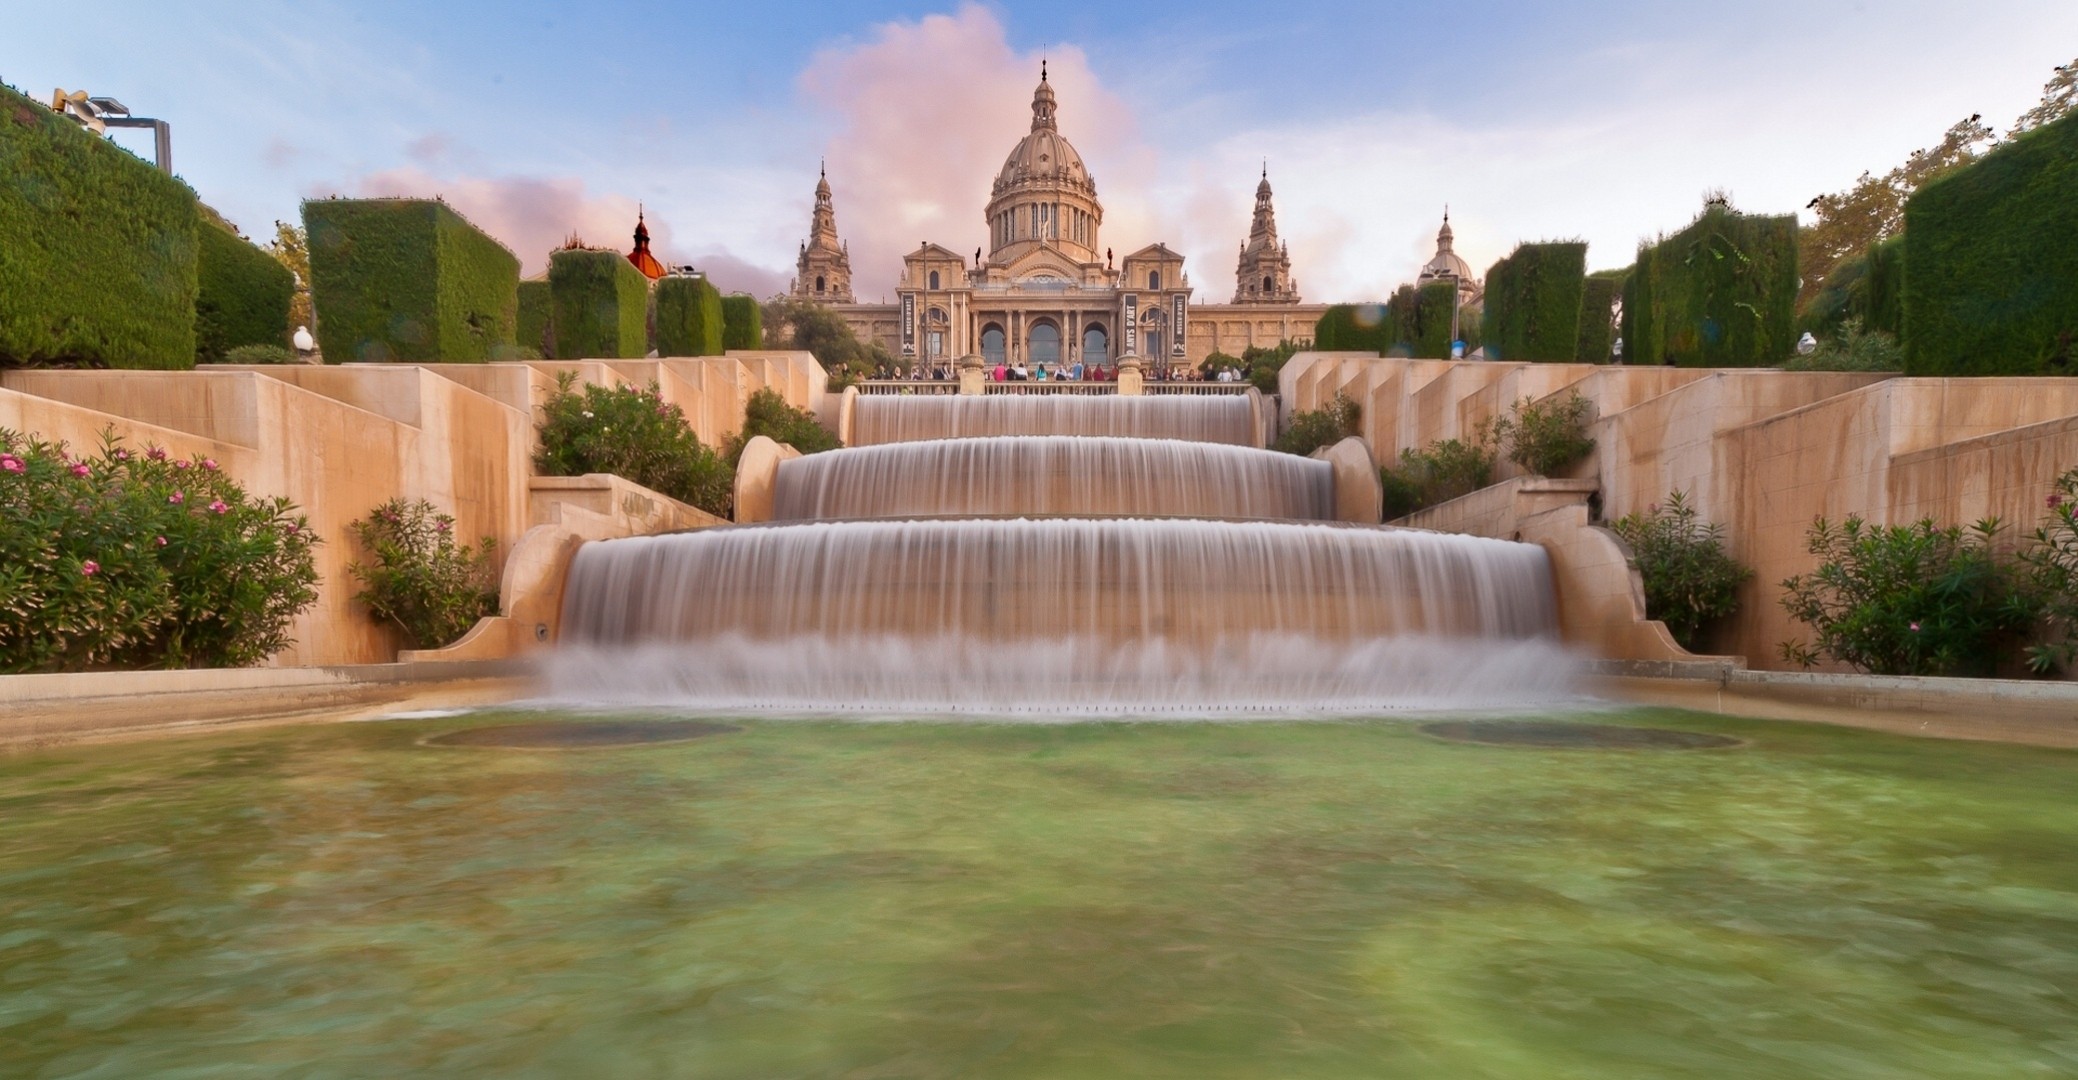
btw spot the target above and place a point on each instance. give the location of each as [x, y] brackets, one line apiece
[1046, 289]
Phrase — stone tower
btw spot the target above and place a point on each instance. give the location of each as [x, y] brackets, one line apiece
[1043, 197]
[823, 271]
[1264, 273]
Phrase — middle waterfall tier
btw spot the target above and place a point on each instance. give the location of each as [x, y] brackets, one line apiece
[1054, 475]
[895, 418]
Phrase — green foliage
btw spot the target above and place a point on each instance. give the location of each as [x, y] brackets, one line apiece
[1597, 319]
[743, 323]
[1547, 437]
[291, 248]
[1440, 472]
[1420, 319]
[407, 280]
[633, 434]
[815, 329]
[242, 295]
[1906, 599]
[1850, 222]
[1852, 349]
[1689, 580]
[599, 305]
[2051, 571]
[1864, 288]
[1264, 362]
[138, 560]
[768, 414]
[1993, 287]
[260, 354]
[1533, 302]
[1353, 328]
[1312, 429]
[1883, 294]
[418, 578]
[689, 317]
[536, 318]
[1719, 293]
[97, 249]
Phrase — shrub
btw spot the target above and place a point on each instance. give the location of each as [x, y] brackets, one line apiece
[743, 323]
[823, 333]
[2051, 569]
[599, 305]
[1906, 599]
[1265, 362]
[418, 578]
[768, 414]
[261, 354]
[132, 560]
[1720, 293]
[689, 317]
[1533, 302]
[1597, 319]
[1689, 580]
[1312, 429]
[1444, 470]
[242, 295]
[535, 322]
[632, 434]
[407, 280]
[1852, 349]
[1993, 287]
[97, 249]
[1353, 328]
[1546, 437]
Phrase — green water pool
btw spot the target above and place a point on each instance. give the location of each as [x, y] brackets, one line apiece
[822, 899]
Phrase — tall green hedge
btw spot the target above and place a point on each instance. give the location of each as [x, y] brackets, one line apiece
[1419, 319]
[743, 323]
[689, 317]
[97, 249]
[1883, 295]
[600, 305]
[1991, 257]
[1597, 318]
[536, 321]
[242, 295]
[1533, 302]
[1354, 328]
[408, 280]
[1720, 293]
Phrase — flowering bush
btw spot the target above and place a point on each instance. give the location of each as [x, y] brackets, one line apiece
[420, 579]
[632, 434]
[1546, 437]
[1440, 472]
[768, 414]
[2051, 567]
[1689, 581]
[1312, 429]
[136, 560]
[1907, 599]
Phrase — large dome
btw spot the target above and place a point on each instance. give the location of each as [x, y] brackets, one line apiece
[1043, 154]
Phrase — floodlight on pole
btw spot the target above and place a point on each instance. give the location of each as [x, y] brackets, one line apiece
[98, 114]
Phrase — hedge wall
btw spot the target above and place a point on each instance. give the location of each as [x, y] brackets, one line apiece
[743, 324]
[689, 317]
[1883, 297]
[535, 322]
[242, 295]
[1720, 293]
[408, 280]
[1597, 319]
[1354, 328]
[97, 249]
[1992, 252]
[1533, 302]
[599, 305]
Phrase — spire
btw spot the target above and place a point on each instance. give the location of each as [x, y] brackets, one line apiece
[640, 257]
[1042, 103]
[1444, 235]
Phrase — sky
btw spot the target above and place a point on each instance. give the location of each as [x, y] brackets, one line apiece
[1607, 122]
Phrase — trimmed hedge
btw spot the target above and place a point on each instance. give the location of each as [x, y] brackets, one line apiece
[408, 280]
[689, 317]
[1420, 320]
[599, 305]
[1883, 296]
[1720, 293]
[536, 322]
[1353, 328]
[242, 295]
[1993, 282]
[743, 323]
[1533, 300]
[1597, 319]
[97, 249]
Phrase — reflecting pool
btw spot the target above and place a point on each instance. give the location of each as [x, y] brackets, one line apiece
[767, 898]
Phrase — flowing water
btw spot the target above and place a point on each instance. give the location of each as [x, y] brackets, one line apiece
[922, 900]
[878, 419]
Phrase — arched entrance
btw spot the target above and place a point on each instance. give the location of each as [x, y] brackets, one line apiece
[1044, 346]
[992, 340]
[1096, 345]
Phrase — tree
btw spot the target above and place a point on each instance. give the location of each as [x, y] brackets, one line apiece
[291, 248]
[811, 327]
[2059, 98]
[1874, 208]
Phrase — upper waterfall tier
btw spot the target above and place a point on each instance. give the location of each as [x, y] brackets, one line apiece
[894, 418]
[1055, 475]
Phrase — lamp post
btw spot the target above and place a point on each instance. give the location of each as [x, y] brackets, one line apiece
[97, 114]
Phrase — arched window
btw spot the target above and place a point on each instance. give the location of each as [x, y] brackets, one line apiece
[1046, 344]
[934, 279]
[818, 283]
[1266, 284]
[1154, 279]
[992, 344]
[1096, 347]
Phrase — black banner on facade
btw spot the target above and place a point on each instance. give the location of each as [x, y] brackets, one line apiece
[1132, 326]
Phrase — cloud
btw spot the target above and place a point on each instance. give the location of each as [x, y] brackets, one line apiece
[531, 215]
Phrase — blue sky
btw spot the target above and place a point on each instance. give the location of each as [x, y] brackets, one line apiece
[1531, 120]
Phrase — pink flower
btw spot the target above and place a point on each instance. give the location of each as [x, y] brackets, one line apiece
[2055, 501]
[441, 525]
[90, 568]
[294, 528]
[176, 498]
[209, 463]
[156, 454]
[11, 463]
[122, 455]
[1915, 628]
[217, 506]
[81, 469]
[181, 464]
[159, 541]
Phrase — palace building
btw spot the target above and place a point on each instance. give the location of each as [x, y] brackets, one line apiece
[1047, 290]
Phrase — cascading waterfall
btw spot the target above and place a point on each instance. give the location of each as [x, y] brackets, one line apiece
[1056, 475]
[895, 418]
[1156, 576]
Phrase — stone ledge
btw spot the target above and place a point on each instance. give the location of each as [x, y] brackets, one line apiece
[1990, 710]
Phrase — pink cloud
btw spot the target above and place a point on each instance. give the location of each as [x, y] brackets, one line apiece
[529, 214]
